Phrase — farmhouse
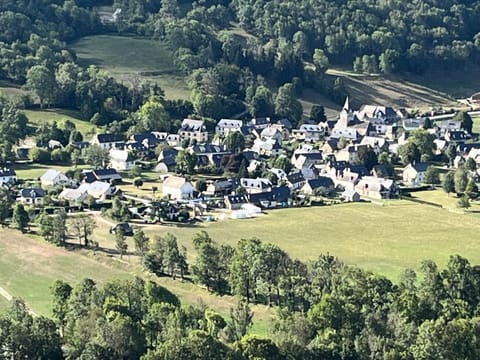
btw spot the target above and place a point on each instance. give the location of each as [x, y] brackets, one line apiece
[257, 185]
[55, 178]
[73, 195]
[108, 175]
[235, 202]
[414, 174]
[322, 182]
[178, 188]
[226, 126]
[376, 188]
[7, 176]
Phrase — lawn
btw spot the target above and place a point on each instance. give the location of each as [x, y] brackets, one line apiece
[34, 171]
[384, 239]
[131, 59]
[36, 117]
[447, 201]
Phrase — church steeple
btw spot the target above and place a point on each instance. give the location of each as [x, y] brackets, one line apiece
[346, 106]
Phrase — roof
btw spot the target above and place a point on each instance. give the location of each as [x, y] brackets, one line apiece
[175, 182]
[7, 172]
[72, 194]
[32, 193]
[322, 181]
[192, 125]
[101, 174]
[121, 155]
[420, 166]
[50, 175]
[259, 183]
[236, 199]
[359, 169]
[261, 121]
[285, 123]
[230, 123]
[295, 178]
[109, 138]
[209, 149]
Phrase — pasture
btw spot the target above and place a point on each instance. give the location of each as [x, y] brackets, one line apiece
[384, 239]
[132, 59]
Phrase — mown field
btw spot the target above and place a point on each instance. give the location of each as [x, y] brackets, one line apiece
[384, 239]
[132, 59]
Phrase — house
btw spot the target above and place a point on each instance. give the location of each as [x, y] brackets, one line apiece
[55, 178]
[99, 190]
[308, 132]
[378, 144]
[7, 176]
[380, 171]
[108, 141]
[107, 175]
[173, 140]
[350, 196]
[272, 133]
[149, 140]
[178, 188]
[277, 196]
[257, 185]
[314, 184]
[73, 195]
[121, 159]
[260, 123]
[124, 227]
[31, 196]
[226, 126]
[330, 146]
[219, 187]
[456, 136]
[235, 202]
[295, 181]
[376, 188]
[269, 147]
[414, 174]
[208, 154]
[193, 129]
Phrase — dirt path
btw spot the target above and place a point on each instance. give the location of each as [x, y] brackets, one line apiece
[4, 293]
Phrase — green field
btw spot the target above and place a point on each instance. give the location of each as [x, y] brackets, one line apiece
[447, 201]
[131, 59]
[36, 117]
[34, 171]
[385, 239]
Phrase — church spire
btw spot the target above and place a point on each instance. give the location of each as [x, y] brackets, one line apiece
[346, 106]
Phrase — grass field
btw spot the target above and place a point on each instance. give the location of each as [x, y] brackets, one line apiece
[131, 59]
[441, 198]
[29, 266]
[34, 171]
[385, 239]
[36, 117]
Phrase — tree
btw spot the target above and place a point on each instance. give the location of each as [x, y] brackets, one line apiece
[367, 157]
[388, 61]
[186, 162]
[424, 142]
[152, 116]
[317, 113]
[6, 201]
[261, 104]
[471, 190]
[287, 105]
[20, 218]
[240, 321]
[39, 155]
[137, 182]
[41, 80]
[140, 241]
[135, 171]
[460, 180]
[61, 292]
[201, 185]
[120, 242]
[451, 153]
[320, 60]
[471, 165]
[448, 183]
[95, 156]
[409, 153]
[82, 227]
[432, 176]
[465, 120]
[234, 141]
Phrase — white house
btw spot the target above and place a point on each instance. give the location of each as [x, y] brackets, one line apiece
[121, 159]
[98, 189]
[178, 188]
[107, 141]
[7, 176]
[31, 196]
[193, 129]
[226, 126]
[74, 195]
[55, 178]
[414, 174]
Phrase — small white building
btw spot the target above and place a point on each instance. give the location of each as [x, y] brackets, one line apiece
[177, 188]
[7, 176]
[414, 174]
[226, 126]
[121, 159]
[55, 178]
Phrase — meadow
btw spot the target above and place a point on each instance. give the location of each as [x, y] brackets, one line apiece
[37, 117]
[131, 59]
[385, 239]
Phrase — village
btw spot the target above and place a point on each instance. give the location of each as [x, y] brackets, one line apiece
[246, 168]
